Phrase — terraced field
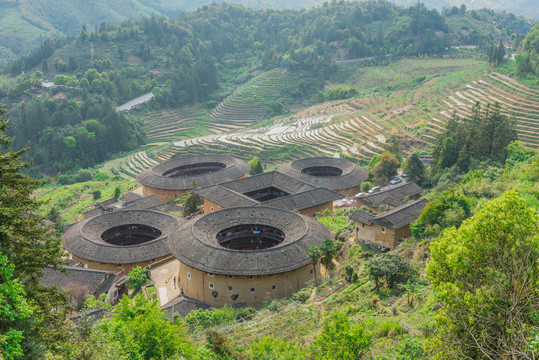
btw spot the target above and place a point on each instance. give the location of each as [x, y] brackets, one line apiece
[357, 127]
[516, 100]
[251, 102]
[130, 166]
[175, 123]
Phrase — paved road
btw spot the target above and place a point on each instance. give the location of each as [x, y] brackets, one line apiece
[141, 99]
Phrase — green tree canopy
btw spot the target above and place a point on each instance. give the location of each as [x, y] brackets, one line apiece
[385, 168]
[141, 330]
[137, 278]
[29, 247]
[390, 269]
[486, 274]
[13, 306]
[340, 340]
[485, 134]
[192, 203]
[414, 168]
[448, 209]
[255, 166]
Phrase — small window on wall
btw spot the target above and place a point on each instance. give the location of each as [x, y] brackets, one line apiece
[188, 275]
[383, 229]
[252, 289]
[230, 276]
[211, 209]
[210, 274]
[211, 285]
[251, 277]
[230, 288]
[274, 287]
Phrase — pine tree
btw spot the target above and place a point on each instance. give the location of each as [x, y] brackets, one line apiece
[29, 245]
[44, 66]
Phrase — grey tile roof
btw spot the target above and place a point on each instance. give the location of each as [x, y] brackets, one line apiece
[394, 218]
[224, 197]
[92, 279]
[194, 243]
[304, 200]
[153, 177]
[135, 202]
[302, 195]
[352, 175]
[108, 202]
[167, 208]
[273, 178]
[84, 238]
[362, 217]
[392, 196]
[183, 305]
[94, 212]
[143, 203]
[130, 196]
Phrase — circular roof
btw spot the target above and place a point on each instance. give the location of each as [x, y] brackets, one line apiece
[352, 175]
[154, 178]
[84, 238]
[195, 243]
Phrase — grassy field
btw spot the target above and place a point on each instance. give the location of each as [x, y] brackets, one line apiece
[73, 200]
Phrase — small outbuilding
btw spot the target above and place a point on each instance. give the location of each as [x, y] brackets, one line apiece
[392, 196]
[271, 189]
[92, 282]
[121, 239]
[174, 178]
[384, 230]
[334, 174]
[246, 255]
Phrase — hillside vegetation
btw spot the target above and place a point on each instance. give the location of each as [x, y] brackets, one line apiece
[527, 8]
[225, 66]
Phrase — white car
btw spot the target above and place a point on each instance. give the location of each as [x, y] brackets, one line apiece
[396, 180]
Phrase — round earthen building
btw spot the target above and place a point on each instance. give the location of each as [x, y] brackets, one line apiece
[334, 174]
[121, 239]
[246, 255]
[174, 178]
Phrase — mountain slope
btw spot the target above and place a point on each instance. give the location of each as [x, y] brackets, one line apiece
[25, 23]
[526, 8]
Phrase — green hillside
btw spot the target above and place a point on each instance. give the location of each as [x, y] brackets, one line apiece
[527, 8]
[24, 24]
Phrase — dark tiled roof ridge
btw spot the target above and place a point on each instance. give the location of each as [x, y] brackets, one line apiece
[152, 177]
[317, 202]
[192, 247]
[352, 176]
[400, 208]
[84, 238]
[385, 218]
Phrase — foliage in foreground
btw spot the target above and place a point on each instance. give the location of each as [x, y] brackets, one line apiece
[13, 305]
[29, 247]
[486, 274]
[139, 328]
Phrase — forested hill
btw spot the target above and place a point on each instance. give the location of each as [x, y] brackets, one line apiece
[526, 8]
[24, 24]
[528, 58]
[200, 58]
